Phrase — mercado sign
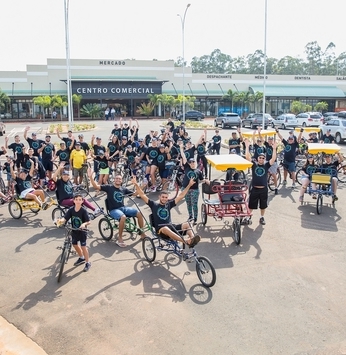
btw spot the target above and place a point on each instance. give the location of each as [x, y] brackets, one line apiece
[116, 89]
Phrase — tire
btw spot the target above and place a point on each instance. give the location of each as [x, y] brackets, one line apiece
[338, 139]
[236, 231]
[85, 182]
[2, 186]
[252, 126]
[223, 125]
[273, 125]
[304, 124]
[283, 126]
[105, 228]
[15, 209]
[205, 271]
[35, 210]
[271, 184]
[215, 124]
[63, 260]
[198, 118]
[319, 203]
[172, 188]
[149, 249]
[342, 174]
[130, 224]
[204, 215]
[57, 213]
[299, 175]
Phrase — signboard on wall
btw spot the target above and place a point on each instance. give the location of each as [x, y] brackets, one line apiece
[116, 89]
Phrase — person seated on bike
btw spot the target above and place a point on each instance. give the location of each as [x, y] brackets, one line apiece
[161, 212]
[291, 146]
[116, 209]
[231, 173]
[24, 187]
[79, 220]
[63, 155]
[331, 167]
[130, 156]
[302, 147]
[64, 190]
[327, 137]
[215, 144]
[312, 138]
[235, 142]
[274, 167]
[258, 144]
[307, 170]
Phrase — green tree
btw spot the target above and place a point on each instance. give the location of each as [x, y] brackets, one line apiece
[229, 96]
[321, 106]
[145, 109]
[216, 62]
[44, 102]
[297, 107]
[4, 100]
[76, 100]
[91, 110]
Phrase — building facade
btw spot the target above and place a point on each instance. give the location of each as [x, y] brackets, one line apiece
[125, 84]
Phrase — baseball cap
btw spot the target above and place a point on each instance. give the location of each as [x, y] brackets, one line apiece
[9, 156]
[98, 138]
[291, 137]
[261, 155]
[179, 139]
[80, 135]
[309, 156]
[161, 146]
[329, 130]
[47, 135]
[328, 156]
[77, 143]
[233, 151]
[101, 152]
[154, 139]
[129, 146]
[33, 134]
[290, 132]
[115, 124]
[123, 137]
[192, 160]
[140, 140]
[65, 172]
[271, 138]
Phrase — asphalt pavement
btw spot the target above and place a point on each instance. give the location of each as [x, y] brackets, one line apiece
[281, 291]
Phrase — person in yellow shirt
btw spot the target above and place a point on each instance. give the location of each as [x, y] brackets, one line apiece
[77, 159]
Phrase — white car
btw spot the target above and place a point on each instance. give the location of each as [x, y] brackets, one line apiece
[310, 119]
[337, 128]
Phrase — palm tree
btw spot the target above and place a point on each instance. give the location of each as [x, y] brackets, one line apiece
[229, 97]
[145, 109]
[257, 97]
[44, 102]
[76, 100]
[4, 100]
[91, 110]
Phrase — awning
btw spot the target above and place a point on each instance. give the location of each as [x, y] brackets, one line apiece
[299, 91]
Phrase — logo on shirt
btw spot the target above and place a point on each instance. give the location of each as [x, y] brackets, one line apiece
[192, 175]
[63, 156]
[118, 196]
[260, 150]
[76, 222]
[27, 184]
[260, 171]
[68, 189]
[310, 169]
[153, 154]
[187, 154]
[200, 149]
[163, 213]
[35, 145]
[19, 150]
[48, 149]
[288, 148]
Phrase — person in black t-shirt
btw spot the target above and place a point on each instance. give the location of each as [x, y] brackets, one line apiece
[216, 142]
[116, 132]
[33, 142]
[96, 148]
[79, 220]
[170, 125]
[17, 148]
[84, 145]
[235, 142]
[161, 213]
[327, 137]
[63, 154]
[115, 204]
[69, 140]
[331, 167]
[259, 191]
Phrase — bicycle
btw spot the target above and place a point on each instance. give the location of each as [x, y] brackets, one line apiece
[174, 181]
[66, 249]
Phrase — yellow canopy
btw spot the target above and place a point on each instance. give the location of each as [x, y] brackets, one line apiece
[308, 129]
[264, 132]
[226, 161]
[328, 148]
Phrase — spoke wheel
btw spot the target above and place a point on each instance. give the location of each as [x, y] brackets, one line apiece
[105, 228]
[57, 213]
[35, 209]
[205, 271]
[342, 174]
[15, 209]
[204, 215]
[172, 188]
[236, 231]
[299, 176]
[319, 204]
[63, 261]
[2, 186]
[149, 249]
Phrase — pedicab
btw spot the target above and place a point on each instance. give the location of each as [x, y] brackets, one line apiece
[230, 196]
[321, 180]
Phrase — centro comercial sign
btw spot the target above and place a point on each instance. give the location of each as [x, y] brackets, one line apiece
[116, 89]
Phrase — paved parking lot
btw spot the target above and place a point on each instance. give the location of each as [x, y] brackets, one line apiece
[282, 291]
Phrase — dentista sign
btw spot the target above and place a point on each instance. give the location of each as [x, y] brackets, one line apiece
[116, 89]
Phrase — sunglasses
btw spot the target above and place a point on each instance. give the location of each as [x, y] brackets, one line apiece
[260, 158]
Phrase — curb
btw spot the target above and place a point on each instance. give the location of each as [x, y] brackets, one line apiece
[14, 342]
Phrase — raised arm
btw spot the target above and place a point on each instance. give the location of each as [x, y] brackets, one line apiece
[279, 135]
[247, 151]
[182, 154]
[58, 171]
[273, 159]
[95, 185]
[58, 133]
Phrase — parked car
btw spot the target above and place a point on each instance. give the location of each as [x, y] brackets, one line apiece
[192, 115]
[6, 115]
[227, 119]
[342, 114]
[254, 120]
[329, 115]
[285, 120]
[337, 128]
[310, 119]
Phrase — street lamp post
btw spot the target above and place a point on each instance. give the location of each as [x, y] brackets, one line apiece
[182, 19]
[68, 65]
[265, 64]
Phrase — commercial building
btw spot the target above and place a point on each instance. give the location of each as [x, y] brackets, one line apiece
[125, 84]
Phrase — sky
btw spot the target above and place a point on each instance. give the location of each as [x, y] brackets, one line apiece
[34, 30]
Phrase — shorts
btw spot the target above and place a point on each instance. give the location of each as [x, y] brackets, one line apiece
[77, 172]
[48, 165]
[123, 211]
[79, 237]
[104, 171]
[163, 173]
[290, 166]
[274, 168]
[176, 228]
[25, 192]
[9, 176]
[258, 195]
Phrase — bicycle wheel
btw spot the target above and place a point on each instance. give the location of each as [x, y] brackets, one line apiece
[236, 231]
[57, 213]
[319, 203]
[172, 189]
[204, 215]
[299, 175]
[149, 249]
[2, 186]
[15, 209]
[63, 260]
[342, 174]
[130, 224]
[105, 228]
[35, 209]
[205, 271]
[85, 182]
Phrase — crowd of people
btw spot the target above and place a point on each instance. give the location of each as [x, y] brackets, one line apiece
[152, 151]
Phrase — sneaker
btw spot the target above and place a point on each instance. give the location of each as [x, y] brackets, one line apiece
[276, 192]
[195, 222]
[284, 183]
[80, 261]
[87, 266]
[294, 185]
[153, 188]
[44, 206]
[301, 198]
[97, 212]
[335, 198]
[262, 221]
